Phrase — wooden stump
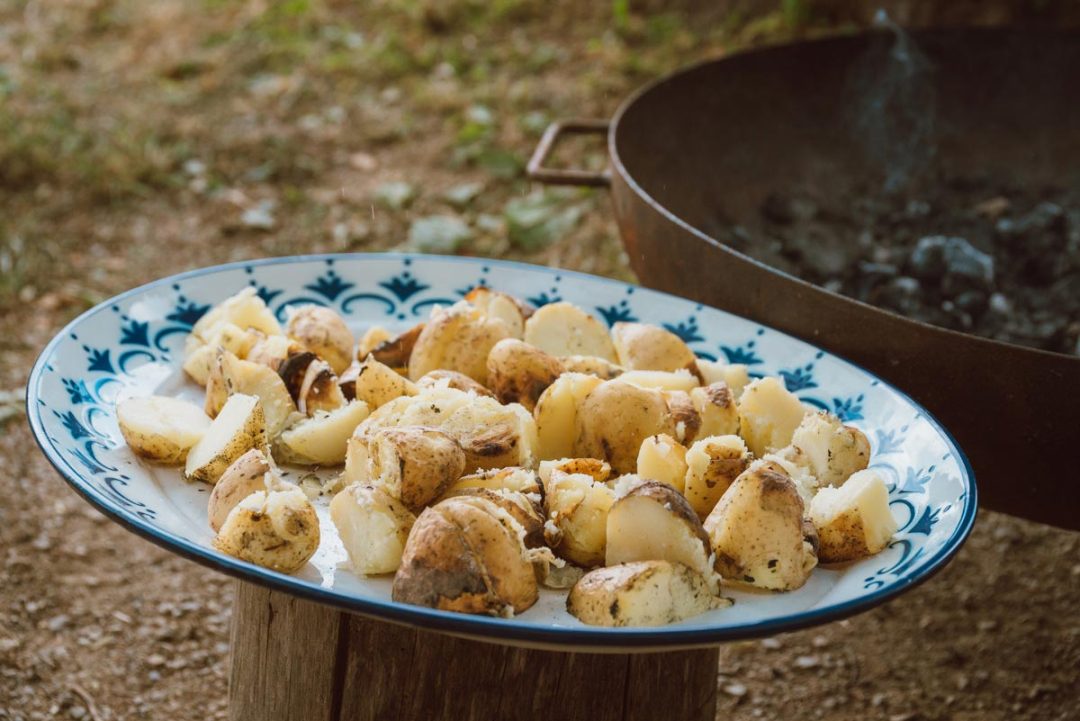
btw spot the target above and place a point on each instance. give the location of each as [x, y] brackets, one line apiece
[298, 660]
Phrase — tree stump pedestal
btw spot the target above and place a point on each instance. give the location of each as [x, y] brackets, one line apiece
[297, 660]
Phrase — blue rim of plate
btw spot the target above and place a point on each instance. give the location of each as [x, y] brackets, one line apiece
[485, 628]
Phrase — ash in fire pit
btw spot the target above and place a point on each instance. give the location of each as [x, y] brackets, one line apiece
[975, 257]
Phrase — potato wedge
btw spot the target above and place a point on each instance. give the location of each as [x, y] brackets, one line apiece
[712, 465]
[645, 593]
[239, 427]
[322, 439]
[322, 331]
[563, 329]
[246, 475]
[274, 529]
[233, 375]
[501, 306]
[642, 346]
[520, 373]
[452, 379]
[768, 415]
[832, 451]
[715, 404]
[415, 464]
[757, 531]
[578, 505]
[161, 429]
[662, 458]
[458, 338]
[653, 522]
[736, 375]
[377, 383]
[374, 527]
[616, 417]
[464, 555]
[556, 414]
[854, 520]
[590, 365]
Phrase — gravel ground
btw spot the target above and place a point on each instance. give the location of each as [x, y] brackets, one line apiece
[242, 129]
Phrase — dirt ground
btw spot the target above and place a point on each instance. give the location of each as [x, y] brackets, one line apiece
[141, 139]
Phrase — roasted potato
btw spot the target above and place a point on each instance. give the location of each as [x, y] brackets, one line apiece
[645, 593]
[239, 427]
[466, 555]
[394, 352]
[501, 306]
[200, 357]
[458, 338]
[757, 532]
[525, 510]
[233, 375]
[681, 380]
[452, 379]
[556, 414]
[715, 404]
[513, 478]
[377, 384]
[519, 373]
[594, 468]
[323, 332]
[493, 435]
[712, 465]
[795, 464]
[616, 417]
[641, 346]
[854, 520]
[322, 439]
[271, 351]
[274, 529]
[590, 365]
[684, 415]
[563, 329]
[736, 375]
[831, 450]
[312, 383]
[415, 464]
[578, 505]
[244, 310]
[768, 415]
[374, 527]
[246, 475]
[161, 429]
[652, 521]
[662, 458]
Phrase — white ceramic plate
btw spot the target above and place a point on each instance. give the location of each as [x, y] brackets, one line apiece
[132, 345]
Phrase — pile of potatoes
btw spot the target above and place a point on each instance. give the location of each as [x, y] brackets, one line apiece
[496, 449]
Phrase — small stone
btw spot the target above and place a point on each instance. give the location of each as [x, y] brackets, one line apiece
[878, 699]
[438, 234]
[363, 161]
[771, 644]
[155, 659]
[820, 642]
[807, 662]
[261, 217]
[735, 689]
[395, 194]
[10, 644]
[987, 625]
[462, 195]
[57, 623]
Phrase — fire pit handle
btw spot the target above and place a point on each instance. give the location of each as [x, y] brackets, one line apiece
[535, 170]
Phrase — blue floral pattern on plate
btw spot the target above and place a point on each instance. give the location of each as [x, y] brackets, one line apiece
[133, 345]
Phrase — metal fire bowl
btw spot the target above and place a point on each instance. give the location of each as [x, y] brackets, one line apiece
[699, 151]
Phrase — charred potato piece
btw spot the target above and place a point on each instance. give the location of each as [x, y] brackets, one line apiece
[312, 383]
[464, 555]
[591, 365]
[161, 429]
[274, 529]
[377, 384]
[641, 346]
[645, 593]
[322, 439]
[246, 475]
[452, 379]
[715, 404]
[374, 527]
[578, 505]
[653, 522]
[563, 329]
[712, 465]
[397, 351]
[768, 415]
[662, 458]
[616, 417]
[322, 331]
[832, 451]
[520, 373]
[415, 464]
[502, 306]
[239, 427]
[854, 520]
[458, 338]
[757, 532]
[556, 414]
[232, 375]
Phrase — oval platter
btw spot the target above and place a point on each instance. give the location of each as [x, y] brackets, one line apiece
[133, 345]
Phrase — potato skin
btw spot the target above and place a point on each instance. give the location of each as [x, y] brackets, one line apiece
[322, 331]
[616, 417]
[520, 373]
[641, 346]
[377, 383]
[274, 529]
[712, 465]
[396, 351]
[415, 464]
[643, 593]
[684, 415]
[458, 338]
[246, 475]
